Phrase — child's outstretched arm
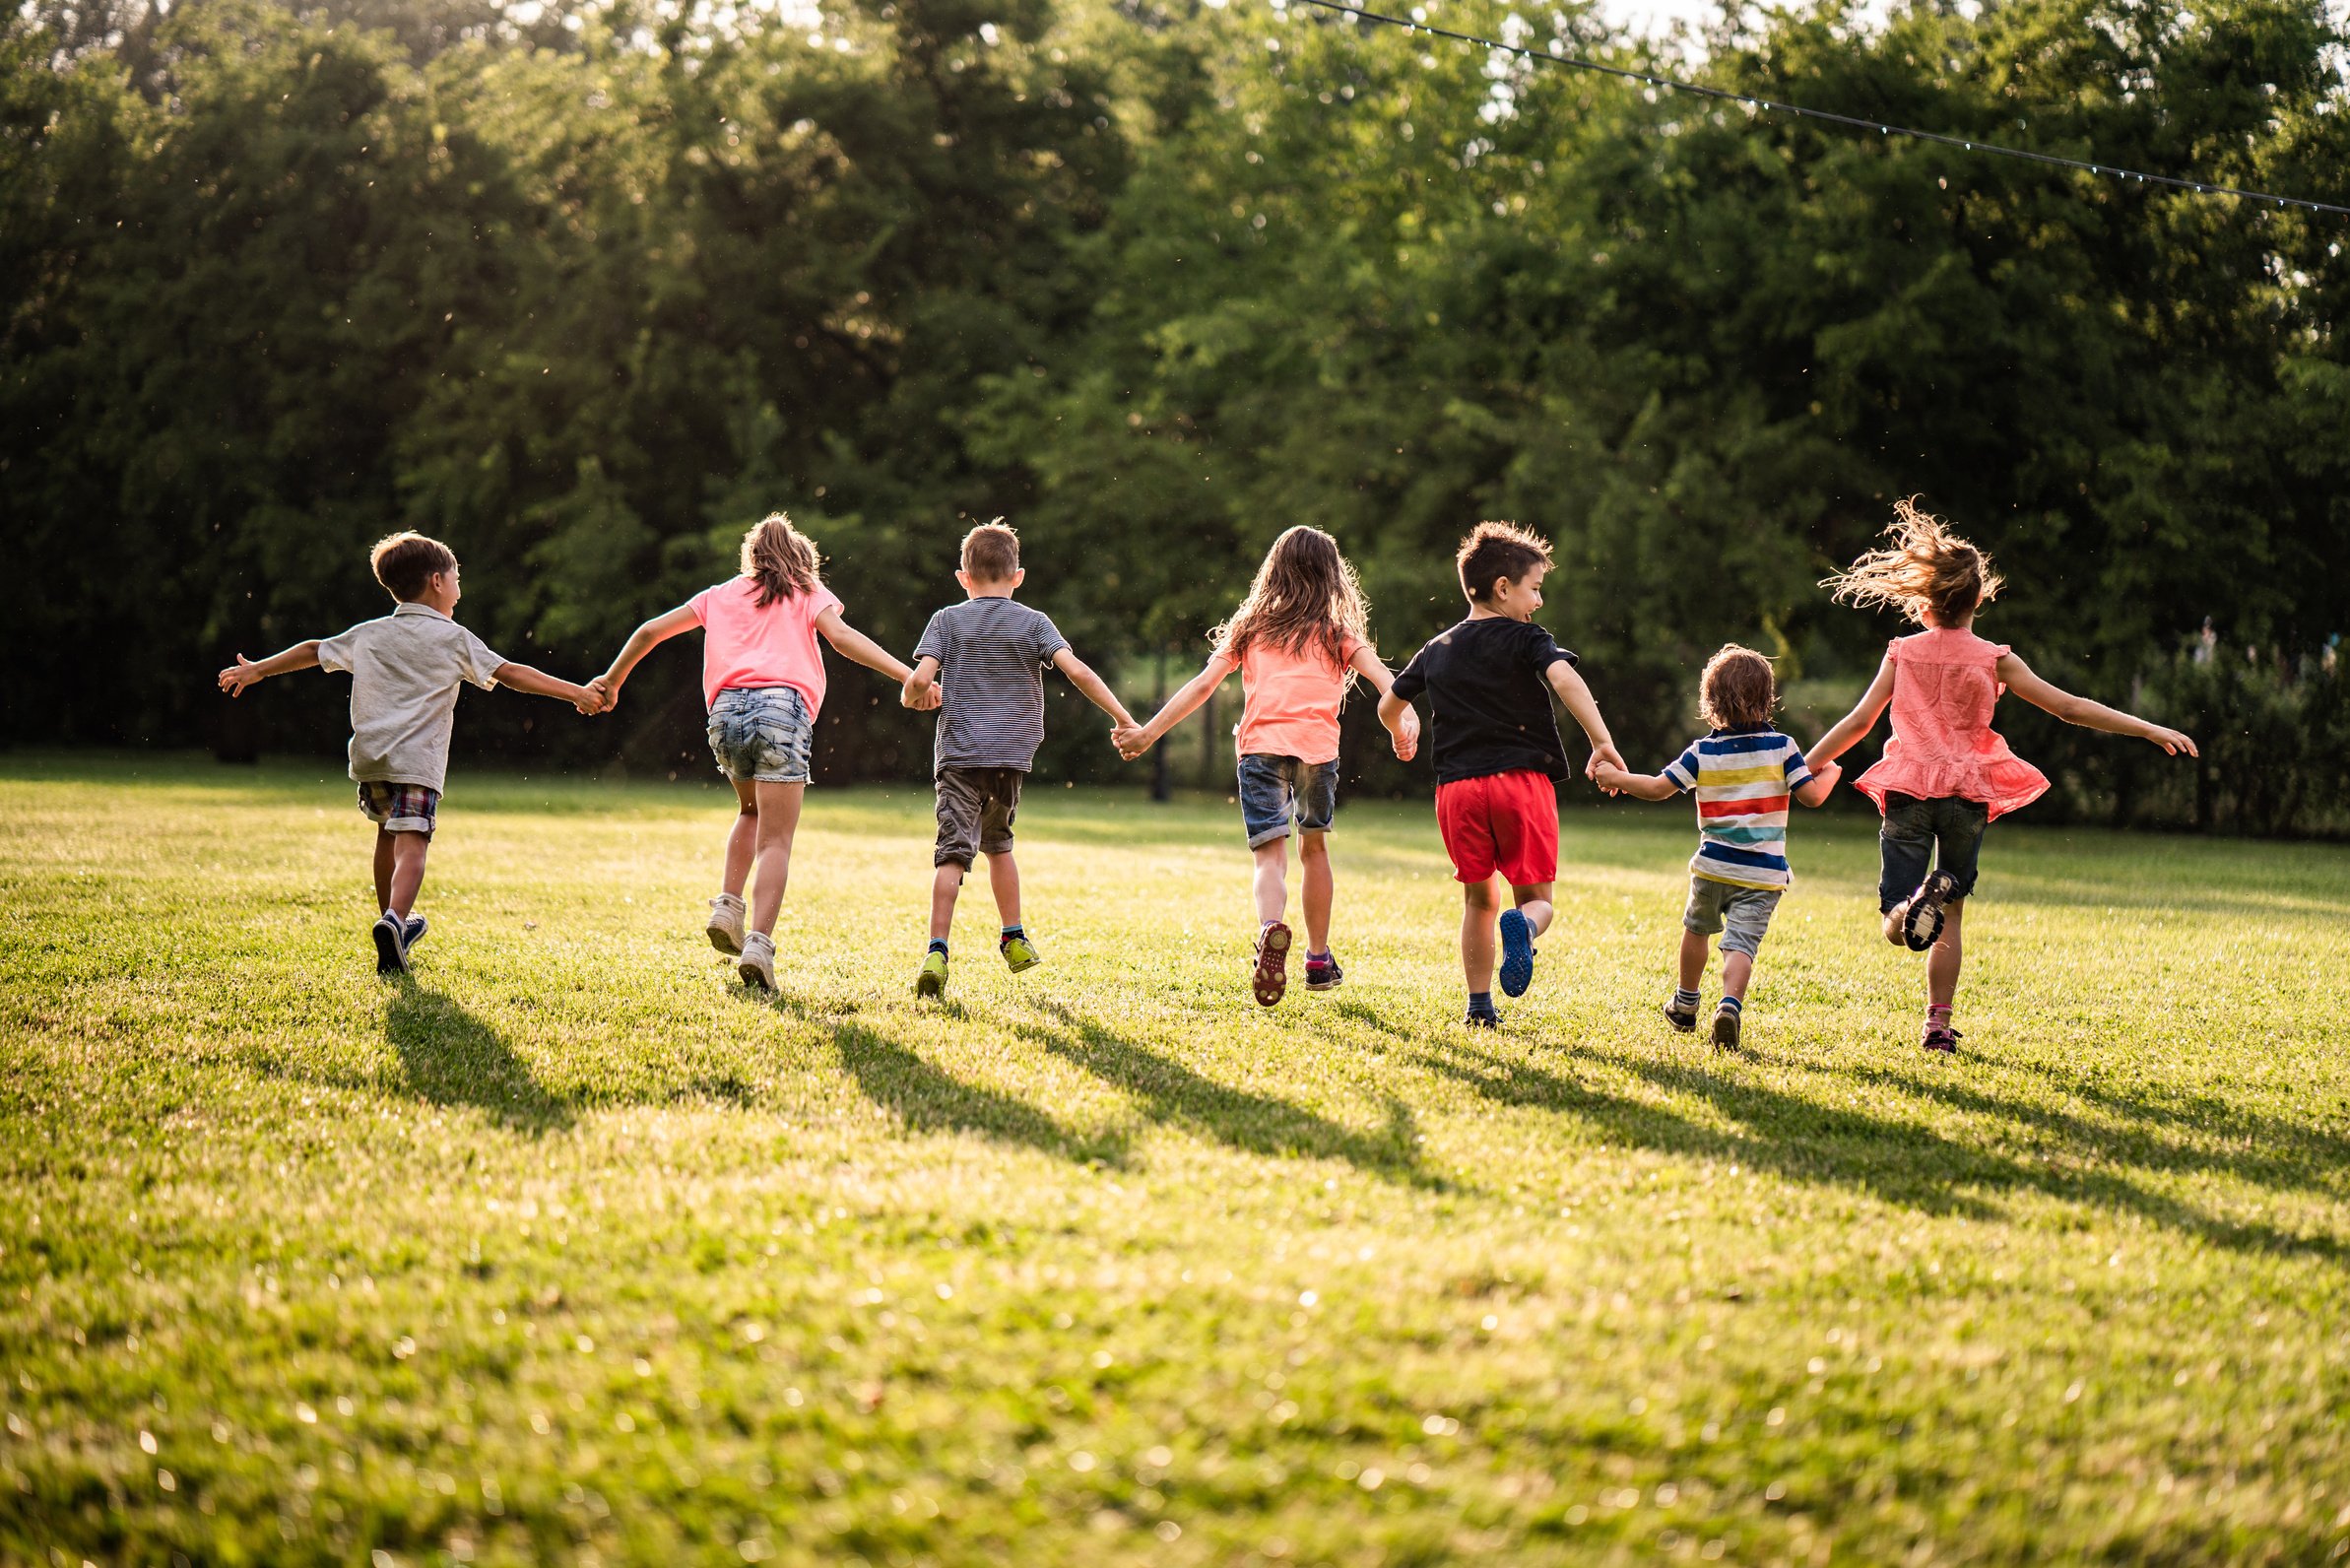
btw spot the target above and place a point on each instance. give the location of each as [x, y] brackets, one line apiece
[643, 640]
[1403, 730]
[1133, 740]
[850, 643]
[921, 690]
[1815, 790]
[244, 671]
[1844, 732]
[2020, 679]
[1568, 684]
[1098, 690]
[539, 684]
[1640, 786]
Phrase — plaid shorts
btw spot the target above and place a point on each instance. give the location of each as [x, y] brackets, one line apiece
[399, 807]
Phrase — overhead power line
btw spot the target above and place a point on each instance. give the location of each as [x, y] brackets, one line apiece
[1772, 105]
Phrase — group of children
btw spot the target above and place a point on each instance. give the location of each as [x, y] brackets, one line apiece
[1298, 641]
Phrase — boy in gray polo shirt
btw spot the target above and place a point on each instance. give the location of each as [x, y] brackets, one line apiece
[988, 655]
[405, 670]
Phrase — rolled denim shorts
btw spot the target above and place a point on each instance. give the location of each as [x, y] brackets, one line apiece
[400, 807]
[762, 734]
[1273, 790]
[1919, 835]
[1740, 914]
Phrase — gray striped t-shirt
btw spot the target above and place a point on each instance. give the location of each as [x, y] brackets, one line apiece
[990, 655]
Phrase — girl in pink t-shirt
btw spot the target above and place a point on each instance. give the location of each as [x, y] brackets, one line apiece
[762, 680]
[1298, 642]
[1946, 774]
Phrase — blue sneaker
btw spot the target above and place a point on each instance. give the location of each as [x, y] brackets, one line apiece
[414, 932]
[391, 944]
[1517, 952]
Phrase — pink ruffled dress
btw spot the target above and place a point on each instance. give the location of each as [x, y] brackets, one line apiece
[1945, 684]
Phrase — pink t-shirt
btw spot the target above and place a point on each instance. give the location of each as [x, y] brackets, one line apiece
[746, 647]
[1289, 701]
[1945, 684]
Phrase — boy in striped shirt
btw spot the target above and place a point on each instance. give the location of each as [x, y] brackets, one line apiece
[1744, 774]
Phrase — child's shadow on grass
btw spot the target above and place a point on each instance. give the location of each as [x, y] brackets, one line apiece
[1259, 1124]
[927, 1098]
[453, 1058]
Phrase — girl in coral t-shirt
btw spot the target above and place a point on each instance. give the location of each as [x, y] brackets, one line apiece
[763, 682]
[1298, 642]
[1946, 774]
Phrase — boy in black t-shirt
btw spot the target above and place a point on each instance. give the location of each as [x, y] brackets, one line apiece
[1498, 755]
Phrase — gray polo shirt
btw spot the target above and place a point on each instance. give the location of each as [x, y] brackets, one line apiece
[990, 655]
[405, 670]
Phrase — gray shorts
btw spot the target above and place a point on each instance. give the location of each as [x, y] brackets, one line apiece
[976, 805]
[761, 734]
[1740, 914]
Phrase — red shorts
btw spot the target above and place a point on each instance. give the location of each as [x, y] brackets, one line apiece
[1505, 823]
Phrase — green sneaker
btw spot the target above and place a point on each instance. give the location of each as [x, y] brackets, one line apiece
[932, 981]
[1020, 952]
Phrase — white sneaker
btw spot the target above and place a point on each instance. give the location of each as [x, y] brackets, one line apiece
[726, 923]
[758, 963]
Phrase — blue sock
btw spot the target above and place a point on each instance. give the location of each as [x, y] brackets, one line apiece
[938, 944]
[1013, 930]
[1734, 1004]
[1481, 1002]
[1684, 1001]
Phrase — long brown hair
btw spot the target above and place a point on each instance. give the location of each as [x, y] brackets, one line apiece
[781, 558]
[1305, 595]
[1927, 568]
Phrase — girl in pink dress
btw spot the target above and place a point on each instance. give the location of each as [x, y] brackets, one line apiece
[1946, 774]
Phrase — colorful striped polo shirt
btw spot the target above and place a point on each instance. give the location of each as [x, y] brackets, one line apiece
[1745, 779]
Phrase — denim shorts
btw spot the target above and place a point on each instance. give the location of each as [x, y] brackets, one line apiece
[1920, 835]
[1740, 914]
[761, 733]
[399, 807]
[1274, 789]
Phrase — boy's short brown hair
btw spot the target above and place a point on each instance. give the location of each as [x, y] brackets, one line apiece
[1738, 690]
[992, 551]
[404, 562]
[1497, 550]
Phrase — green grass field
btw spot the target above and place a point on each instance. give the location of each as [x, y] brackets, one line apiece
[571, 1250]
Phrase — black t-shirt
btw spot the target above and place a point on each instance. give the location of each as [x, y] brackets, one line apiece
[1490, 705]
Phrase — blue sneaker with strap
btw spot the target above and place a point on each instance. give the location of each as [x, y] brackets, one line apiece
[1517, 952]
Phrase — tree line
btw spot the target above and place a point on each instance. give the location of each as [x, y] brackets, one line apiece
[584, 289]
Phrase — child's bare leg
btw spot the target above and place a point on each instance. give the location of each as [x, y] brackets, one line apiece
[741, 839]
[945, 885]
[383, 870]
[1534, 903]
[1003, 881]
[1313, 863]
[1273, 881]
[1942, 964]
[1736, 969]
[1693, 959]
[1480, 902]
[408, 871]
[778, 807]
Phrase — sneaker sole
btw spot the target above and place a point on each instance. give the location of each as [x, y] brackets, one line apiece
[1682, 1022]
[1024, 968]
[1325, 985]
[755, 977]
[1270, 982]
[1517, 952]
[389, 956]
[1725, 1032]
[927, 984]
[725, 941]
[1925, 910]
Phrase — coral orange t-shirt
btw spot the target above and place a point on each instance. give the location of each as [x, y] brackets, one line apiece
[746, 647]
[1289, 701]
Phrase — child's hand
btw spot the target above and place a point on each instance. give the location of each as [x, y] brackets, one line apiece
[1605, 754]
[931, 700]
[240, 675]
[588, 700]
[1132, 741]
[607, 692]
[2173, 742]
[1826, 775]
[1407, 736]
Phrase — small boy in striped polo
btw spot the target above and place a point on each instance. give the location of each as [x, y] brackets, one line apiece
[987, 656]
[1745, 773]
